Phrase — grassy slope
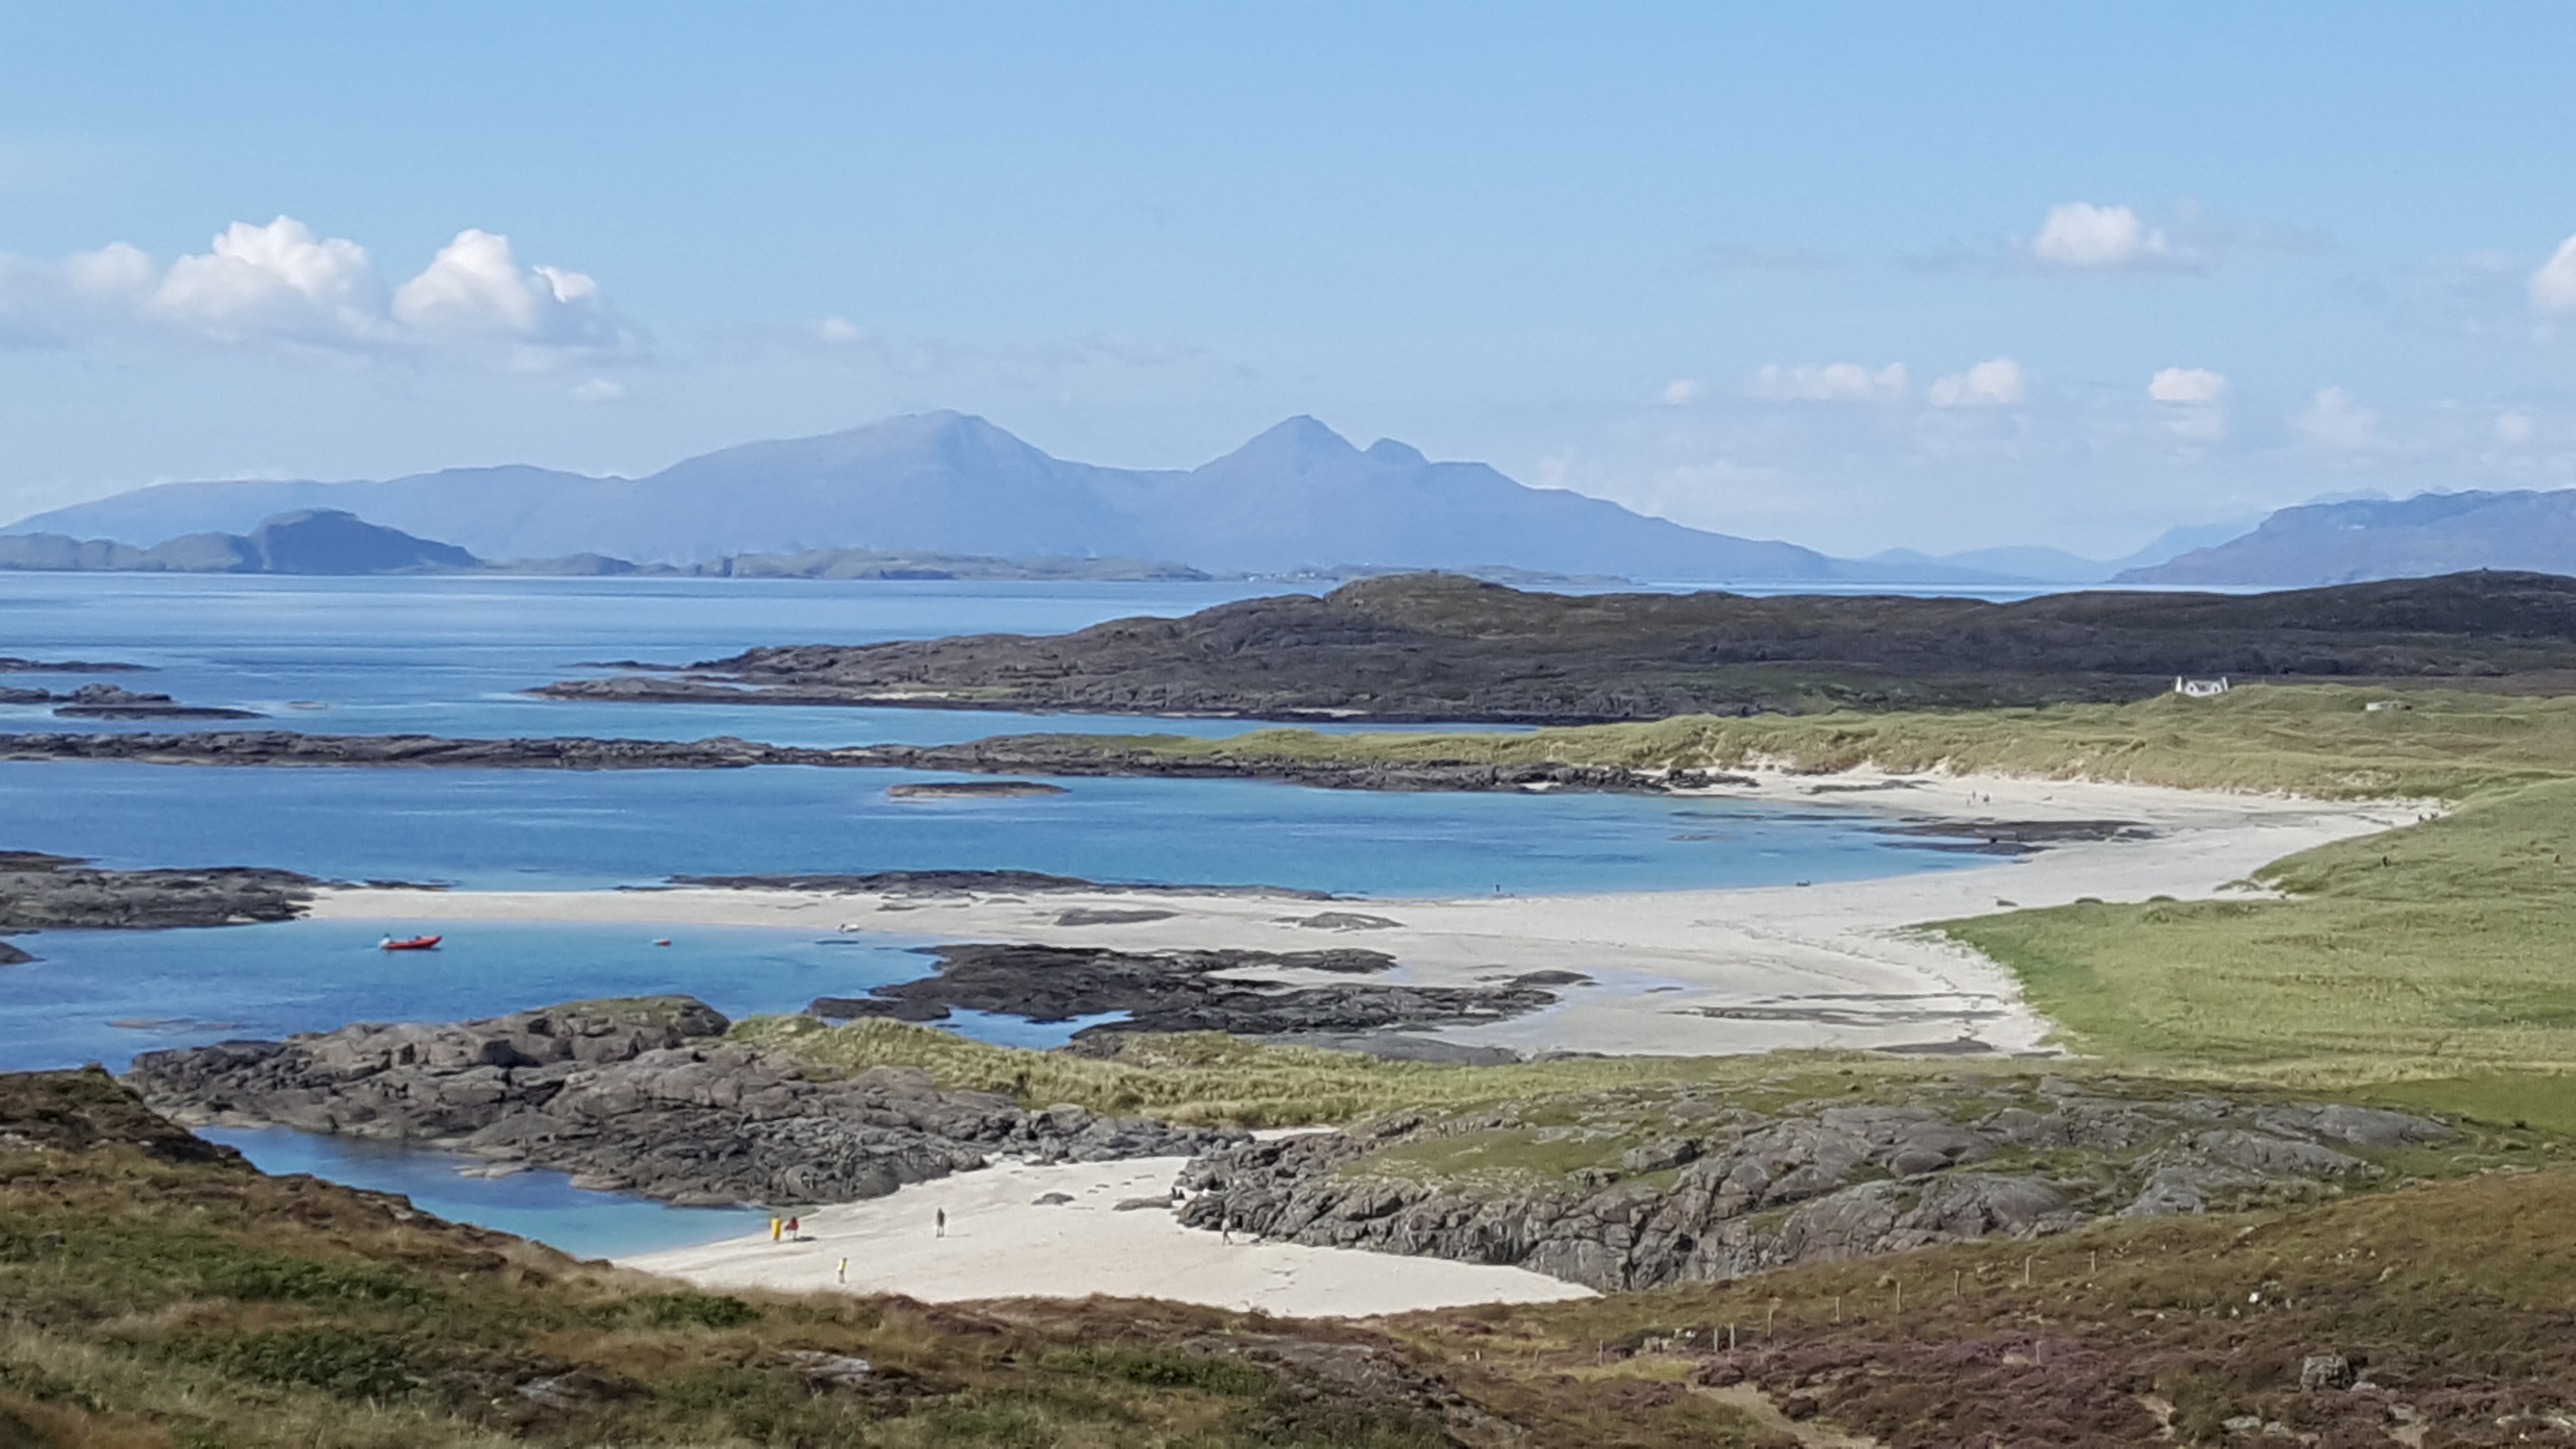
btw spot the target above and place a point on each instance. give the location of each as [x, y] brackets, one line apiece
[151, 1297]
[2311, 739]
[148, 1299]
[2443, 949]
[1207, 1077]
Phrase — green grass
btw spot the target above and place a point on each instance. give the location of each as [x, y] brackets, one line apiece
[2441, 950]
[1210, 1078]
[2320, 740]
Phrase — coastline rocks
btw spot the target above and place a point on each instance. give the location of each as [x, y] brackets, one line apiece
[39, 891]
[107, 701]
[1062, 755]
[973, 790]
[1716, 1191]
[1183, 991]
[642, 1095]
[951, 883]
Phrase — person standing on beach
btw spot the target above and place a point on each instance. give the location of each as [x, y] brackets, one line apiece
[774, 1225]
[792, 1225]
[939, 1222]
[841, 1272]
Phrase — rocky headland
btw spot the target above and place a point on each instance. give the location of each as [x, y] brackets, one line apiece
[1639, 1190]
[1443, 647]
[1192, 991]
[644, 1095]
[1060, 755]
[54, 892]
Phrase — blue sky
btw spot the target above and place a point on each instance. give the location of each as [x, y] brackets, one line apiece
[1861, 276]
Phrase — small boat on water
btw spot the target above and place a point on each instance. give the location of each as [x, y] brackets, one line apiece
[408, 943]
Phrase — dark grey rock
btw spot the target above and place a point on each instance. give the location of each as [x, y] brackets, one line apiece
[635, 1095]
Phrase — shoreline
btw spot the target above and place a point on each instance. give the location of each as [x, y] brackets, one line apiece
[1003, 1240]
[1685, 972]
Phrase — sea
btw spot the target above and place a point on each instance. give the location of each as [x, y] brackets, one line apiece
[455, 655]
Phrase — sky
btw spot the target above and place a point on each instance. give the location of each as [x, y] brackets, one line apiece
[1860, 276]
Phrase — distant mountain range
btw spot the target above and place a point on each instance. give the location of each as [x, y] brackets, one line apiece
[947, 495]
[2431, 533]
[1298, 498]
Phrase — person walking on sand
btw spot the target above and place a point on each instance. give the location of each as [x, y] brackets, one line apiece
[939, 1223]
[774, 1225]
[792, 1225]
[841, 1272]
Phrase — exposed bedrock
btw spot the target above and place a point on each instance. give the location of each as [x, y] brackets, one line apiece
[39, 891]
[1059, 755]
[1187, 991]
[643, 1095]
[1696, 1188]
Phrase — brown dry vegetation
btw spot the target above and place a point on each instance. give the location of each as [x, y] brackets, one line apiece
[155, 1292]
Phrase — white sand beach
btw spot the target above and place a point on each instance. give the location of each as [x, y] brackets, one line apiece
[1835, 963]
[1001, 1242]
[1686, 972]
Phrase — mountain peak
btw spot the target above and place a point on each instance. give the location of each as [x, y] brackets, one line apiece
[1301, 439]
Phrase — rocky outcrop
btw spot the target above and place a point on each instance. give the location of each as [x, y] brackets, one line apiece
[1444, 648]
[107, 701]
[1700, 1189]
[956, 883]
[1185, 991]
[1061, 755]
[39, 891]
[643, 1095]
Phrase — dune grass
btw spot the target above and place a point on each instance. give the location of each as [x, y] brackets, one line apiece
[1213, 1079]
[2321, 740]
[2442, 950]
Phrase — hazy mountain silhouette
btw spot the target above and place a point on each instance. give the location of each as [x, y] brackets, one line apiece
[306, 541]
[2432, 533]
[1297, 496]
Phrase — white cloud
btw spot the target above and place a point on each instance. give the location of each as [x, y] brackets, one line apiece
[599, 390]
[2515, 428]
[2335, 421]
[1832, 382]
[475, 288]
[2080, 236]
[2195, 386]
[1679, 391]
[2553, 287]
[282, 285]
[1996, 382]
[278, 281]
[837, 332]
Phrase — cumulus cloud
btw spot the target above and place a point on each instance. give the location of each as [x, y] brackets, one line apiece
[2190, 386]
[1996, 382]
[1680, 391]
[2553, 287]
[2335, 421]
[280, 284]
[2080, 236]
[475, 288]
[1831, 382]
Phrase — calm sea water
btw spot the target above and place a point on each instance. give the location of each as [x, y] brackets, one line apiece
[448, 655]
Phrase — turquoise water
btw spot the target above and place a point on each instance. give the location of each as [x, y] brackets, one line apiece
[446, 655]
[102, 996]
[535, 1204]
